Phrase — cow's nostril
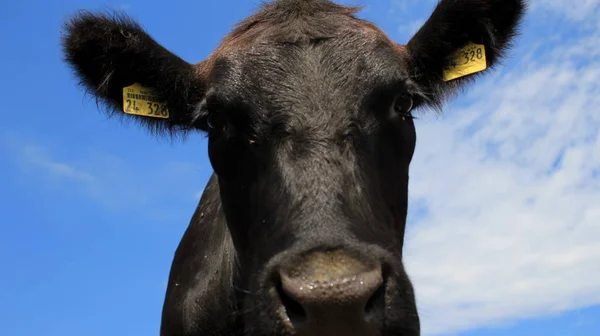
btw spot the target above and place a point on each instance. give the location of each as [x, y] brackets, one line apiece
[294, 310]
[376, 303]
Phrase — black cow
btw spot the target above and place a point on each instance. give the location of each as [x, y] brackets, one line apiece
[308, 111]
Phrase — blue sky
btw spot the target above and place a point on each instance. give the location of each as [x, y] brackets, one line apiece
[503, 242]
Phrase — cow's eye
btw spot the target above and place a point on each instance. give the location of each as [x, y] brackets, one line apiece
[210, 116]
[403, 106]
[216, 122]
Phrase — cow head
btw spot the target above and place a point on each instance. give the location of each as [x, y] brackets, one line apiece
[308, 112]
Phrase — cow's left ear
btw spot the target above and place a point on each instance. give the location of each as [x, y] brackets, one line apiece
[132, 74]
[462, 38]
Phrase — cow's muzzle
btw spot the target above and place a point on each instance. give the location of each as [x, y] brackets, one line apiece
[330, 293]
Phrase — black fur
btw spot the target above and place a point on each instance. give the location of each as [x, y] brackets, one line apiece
[454, 23]
[303, 105]
[110, 51]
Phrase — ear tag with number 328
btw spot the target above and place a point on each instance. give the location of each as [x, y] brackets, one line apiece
[139, 100]
[465, 61]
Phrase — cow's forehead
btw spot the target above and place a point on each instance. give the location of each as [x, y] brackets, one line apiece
[311, 67]
[251, 34]
[354, 57]
[286, 24]
[334, 74]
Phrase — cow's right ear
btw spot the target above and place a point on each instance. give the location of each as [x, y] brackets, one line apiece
[132, 74]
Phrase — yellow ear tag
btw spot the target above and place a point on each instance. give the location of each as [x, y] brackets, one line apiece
[139, 100]
[465, 61]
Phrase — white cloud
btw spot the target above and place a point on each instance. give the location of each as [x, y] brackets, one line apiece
[511, 184]
[575, 10]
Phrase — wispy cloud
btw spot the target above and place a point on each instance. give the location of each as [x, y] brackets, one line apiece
[39, 157]
[113, 182]
[504, 221]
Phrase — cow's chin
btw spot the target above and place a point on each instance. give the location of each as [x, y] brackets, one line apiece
[272, 316]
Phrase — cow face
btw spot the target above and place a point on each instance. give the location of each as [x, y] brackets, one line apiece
[312, 138]
[308, 112]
